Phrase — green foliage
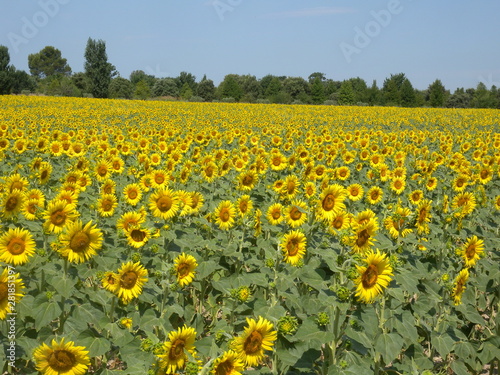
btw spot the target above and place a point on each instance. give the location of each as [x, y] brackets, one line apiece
[346, 95]
[97, 68]
[121, 88]
[47, 63]
[206, 89]
[317, 91]
[436, 94]
[165, 87]
[230, 88]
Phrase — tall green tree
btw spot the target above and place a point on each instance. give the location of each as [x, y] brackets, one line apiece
[97, 68]
[185, 77]
[482, 97]
[6, 79]
[408, 98]
[391, 89]
[317, 91]
[139, 75]
[346, 95]
[312, 77]
[296, 87]
[273, 89]
[436, 94]
[373, 95]
[230, 88]
[206, 89]
[47, 63]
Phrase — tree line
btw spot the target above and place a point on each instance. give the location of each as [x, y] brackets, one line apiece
[50, 74]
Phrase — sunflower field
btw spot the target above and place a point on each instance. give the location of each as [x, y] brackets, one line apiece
[148, 237]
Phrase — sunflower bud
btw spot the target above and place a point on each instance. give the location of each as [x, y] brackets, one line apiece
[287, 325]
[323, 319]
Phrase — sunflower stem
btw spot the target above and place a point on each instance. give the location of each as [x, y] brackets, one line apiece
[112, 310]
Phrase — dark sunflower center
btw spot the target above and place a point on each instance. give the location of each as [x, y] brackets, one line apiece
[295, 213]
[224, 368]
[159, 179]
[16, 246]
[354, 192]
[44, 174]
[164, 203]
[11, 204]
[102, 170]
[422, 215]
[337, 223]
[209, 171]
[374, 194]
[58, 217]
[16, 185]
[370, 276]
[363, 237]
[290, 188]
[62, 360]
[328, 202]
[132, 194]
[79, 242]
[138, 235]
[484, 174]
[3, 291]
[470, 252]
[177, 349]
[398, 184]
[460, 183]
[398, 224]
[183, 270]
[128, 280]
[253, 343]
[225, 215]
[276, 160]
[292, 247]
[243, 207]
[276, 214]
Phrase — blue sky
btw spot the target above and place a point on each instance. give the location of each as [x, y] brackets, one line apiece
[454, 40]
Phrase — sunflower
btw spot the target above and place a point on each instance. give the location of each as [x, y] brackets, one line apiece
[331, 201]
[258, 337]
[110, 281]
[16, 246]
[197, 201]
[459, 287]
[275, 214]
[460, 182]
[58, 214]
[374, 195]
[471, 251]
[363, 237]
[296, 213]
[397, 223]
[185, 202]
[244, 205]
[61, 358]
[108, 187]
[354, 192]
[131, 277]
[224, 215]
[185, 266]
[278, 161]
[343, 173]
[228, 364]
[32, 209]
[431, 183]
[159, 179]
[12, 204]
[164, 203]
[12, 281]
[133, 194]
[310, 189]
[485, 174]
[210, 171]
[340, 222]
[247, 180]
[423, 216]
[106, 205]
[463, 204]
[290, 186]
[137, 236]
[497, 202]
[130, 220]
[175, 350]
[398, 185]
[372, 277]
[16, 182]
[293, 246]
[79, 242]
[416, 196]
[44, 172]
[103, 170]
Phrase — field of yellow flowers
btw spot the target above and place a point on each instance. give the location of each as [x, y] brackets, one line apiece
[142, 237]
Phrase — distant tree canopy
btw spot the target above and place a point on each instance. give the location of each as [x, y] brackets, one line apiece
[52, 75]
[47, 63]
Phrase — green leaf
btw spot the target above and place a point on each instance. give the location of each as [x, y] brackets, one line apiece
[459, 368]
[309, 331]
[443, 343]
[205, 269]
[389, 345]
[470, 314]
[62, 285]
[464, 350]
[404, 324]
[45, 313]
[488, 353]
[94, 344]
